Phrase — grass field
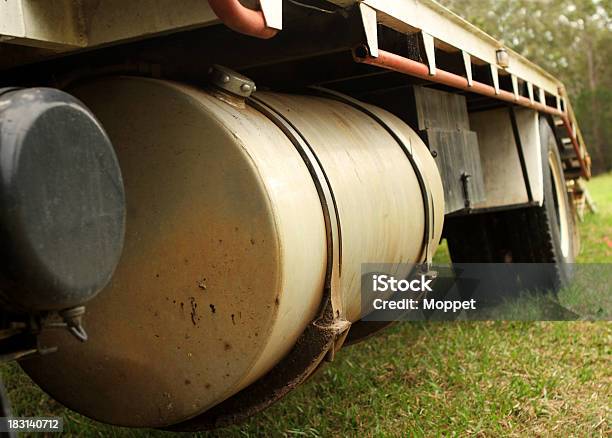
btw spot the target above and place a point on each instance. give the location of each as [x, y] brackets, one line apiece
[430, 379]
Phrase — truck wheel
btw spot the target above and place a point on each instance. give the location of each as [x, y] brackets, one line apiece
[539, 234]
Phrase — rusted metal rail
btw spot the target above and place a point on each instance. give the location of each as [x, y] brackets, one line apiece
[400, 64]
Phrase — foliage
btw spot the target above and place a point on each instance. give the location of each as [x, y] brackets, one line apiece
[570, 38]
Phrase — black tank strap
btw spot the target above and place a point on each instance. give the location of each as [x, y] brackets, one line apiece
[427, 198]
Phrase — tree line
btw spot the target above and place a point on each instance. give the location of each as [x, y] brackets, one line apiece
[572, 39]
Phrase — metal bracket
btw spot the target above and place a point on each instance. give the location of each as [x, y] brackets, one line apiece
[73, 318]
[370, 28]
[515, 88]
[430, 52]
[542, 96]
[233, 82]
[530, 92]
[273, 13]
[495, 76]
[467, 63]
[20, 338]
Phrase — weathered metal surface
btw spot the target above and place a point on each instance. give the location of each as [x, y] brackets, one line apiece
[91, 23]
[225, 259]
[441, 119]
[47, 24]
[502, 173]
[319, 341]
[391, 61]
[321, 338]
[65, 25]
[458, 160]
[333, 229]
[424, 173]
[452, 32]
[441, 110]
[327, 333]
[223, 264]
[375, 186]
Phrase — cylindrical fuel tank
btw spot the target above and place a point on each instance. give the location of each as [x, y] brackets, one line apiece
[225, 254]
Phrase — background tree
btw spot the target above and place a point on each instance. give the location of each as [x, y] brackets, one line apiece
[570, 38]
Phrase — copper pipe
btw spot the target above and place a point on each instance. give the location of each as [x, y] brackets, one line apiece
[242, 19]
[400, 64]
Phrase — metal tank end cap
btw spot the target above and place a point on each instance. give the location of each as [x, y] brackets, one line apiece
[231, 81]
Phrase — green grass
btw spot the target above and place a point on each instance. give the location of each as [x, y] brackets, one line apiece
[435, 379]
[596, 230]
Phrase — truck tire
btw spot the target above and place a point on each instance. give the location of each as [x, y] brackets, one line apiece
[537, 234]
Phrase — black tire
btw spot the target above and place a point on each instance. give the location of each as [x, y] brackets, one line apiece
[525, 235]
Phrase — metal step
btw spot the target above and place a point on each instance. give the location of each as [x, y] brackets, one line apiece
[567, 154]
[572, 173]
[561, 131]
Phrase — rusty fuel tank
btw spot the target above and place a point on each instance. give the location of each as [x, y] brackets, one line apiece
[227, 242]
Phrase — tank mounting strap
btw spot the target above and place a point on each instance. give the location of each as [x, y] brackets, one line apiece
[406, 148]
[322, 337]
[326, 195]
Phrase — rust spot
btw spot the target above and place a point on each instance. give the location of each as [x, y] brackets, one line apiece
[187, 382]
[212, 308]
[207, 386]
[194, 307]
[233, 319]
[227, 346]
